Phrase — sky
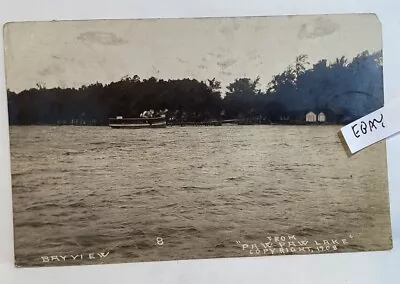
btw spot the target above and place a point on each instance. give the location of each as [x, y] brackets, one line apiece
[75, 53]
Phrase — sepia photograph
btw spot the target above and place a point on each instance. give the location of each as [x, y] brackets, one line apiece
[193, 138]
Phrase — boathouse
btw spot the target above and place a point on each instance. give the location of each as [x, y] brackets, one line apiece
[321, 117]
[311, 117]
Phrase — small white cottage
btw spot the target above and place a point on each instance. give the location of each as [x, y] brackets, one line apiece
[321, 117]
[311, 117]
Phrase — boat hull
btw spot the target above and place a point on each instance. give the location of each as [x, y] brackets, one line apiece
[138, 125]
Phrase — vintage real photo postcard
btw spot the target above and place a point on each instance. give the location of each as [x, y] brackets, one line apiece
[174, 139]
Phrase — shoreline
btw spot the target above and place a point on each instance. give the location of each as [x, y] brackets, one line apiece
[200, 124]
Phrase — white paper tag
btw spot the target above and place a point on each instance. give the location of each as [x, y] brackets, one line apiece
[373, 127]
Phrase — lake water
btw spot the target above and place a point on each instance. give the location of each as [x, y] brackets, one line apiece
[205, 191]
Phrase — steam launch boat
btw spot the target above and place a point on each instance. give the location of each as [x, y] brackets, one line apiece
[137, 123]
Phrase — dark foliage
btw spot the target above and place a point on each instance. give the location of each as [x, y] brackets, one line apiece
[347, 89]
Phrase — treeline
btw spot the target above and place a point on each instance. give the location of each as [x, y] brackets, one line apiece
[348, 88]
[129, 97]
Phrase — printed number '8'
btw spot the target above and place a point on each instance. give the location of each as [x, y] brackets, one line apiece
[160, 241]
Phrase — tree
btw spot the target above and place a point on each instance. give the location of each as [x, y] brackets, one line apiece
[300, 65]
[241, 97]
